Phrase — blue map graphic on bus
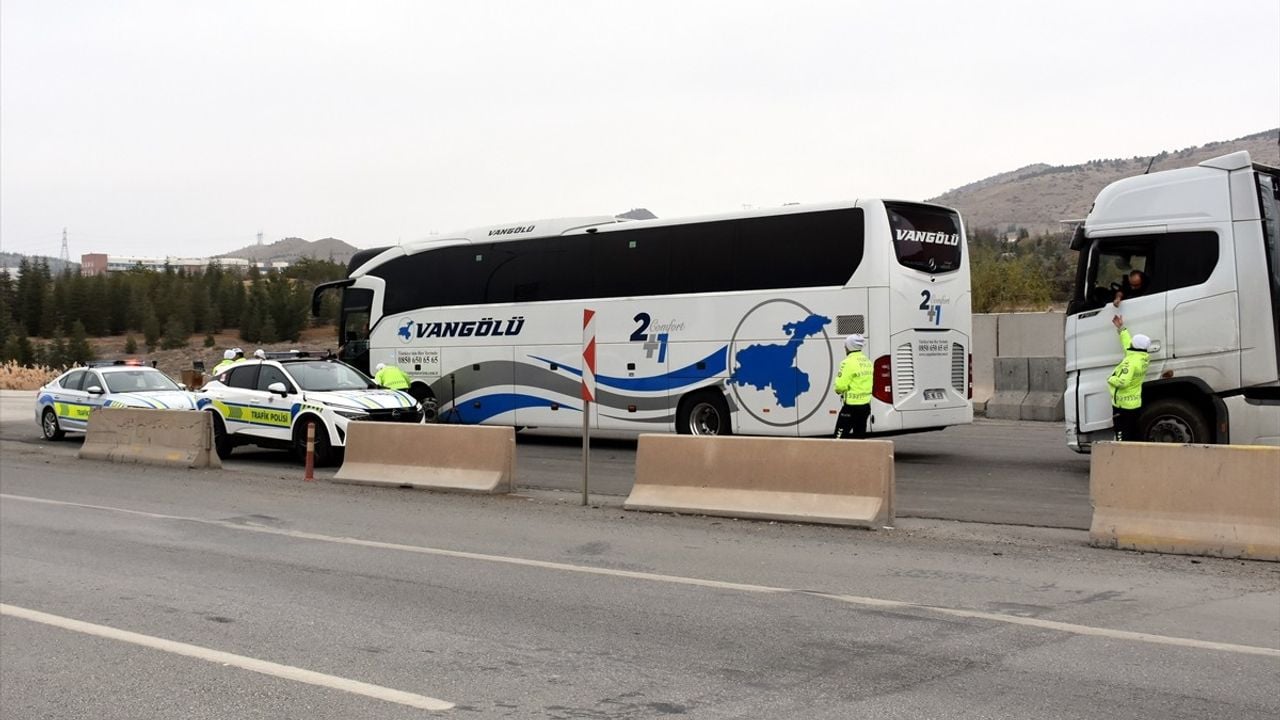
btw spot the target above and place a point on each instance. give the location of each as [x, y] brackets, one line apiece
[773, 367]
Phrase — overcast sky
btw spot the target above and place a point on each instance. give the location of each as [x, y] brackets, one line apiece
[185, 128]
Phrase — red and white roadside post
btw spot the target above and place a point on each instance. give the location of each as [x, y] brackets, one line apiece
[588, 392]
[310, 475]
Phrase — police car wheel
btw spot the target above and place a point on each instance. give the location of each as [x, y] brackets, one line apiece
[222, 443]
[324, 450]
[49, 426]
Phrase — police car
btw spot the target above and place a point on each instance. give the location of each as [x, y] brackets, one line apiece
[64, 404]
[269, 401]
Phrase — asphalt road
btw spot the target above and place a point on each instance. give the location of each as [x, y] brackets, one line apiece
[992, 471]
[529, 606]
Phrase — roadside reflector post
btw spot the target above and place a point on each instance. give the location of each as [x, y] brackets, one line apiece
[310, 475]
[588, 393]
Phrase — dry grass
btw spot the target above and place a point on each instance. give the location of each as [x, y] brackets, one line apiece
[16, 377]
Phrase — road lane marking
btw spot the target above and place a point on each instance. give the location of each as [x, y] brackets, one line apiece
[863, 601]
[288, 672]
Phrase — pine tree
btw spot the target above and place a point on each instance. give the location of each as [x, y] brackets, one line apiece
[268, 333]
[150, 328]
[175, 335]
[130, 345]
[78, 349]
[209, 340]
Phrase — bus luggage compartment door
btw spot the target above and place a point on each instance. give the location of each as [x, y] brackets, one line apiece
[929, 371]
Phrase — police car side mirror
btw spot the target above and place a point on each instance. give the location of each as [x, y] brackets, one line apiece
[278, 388]
[182, 386]
[93, 390]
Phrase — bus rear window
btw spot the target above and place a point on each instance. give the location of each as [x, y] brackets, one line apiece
[925, 238]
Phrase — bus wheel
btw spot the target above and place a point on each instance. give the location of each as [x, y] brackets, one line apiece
[703, 413]
[1172, 420]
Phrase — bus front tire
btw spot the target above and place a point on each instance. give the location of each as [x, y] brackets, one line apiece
[1173, 420]
[703, 413]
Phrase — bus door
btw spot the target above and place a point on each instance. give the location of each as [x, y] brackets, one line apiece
[1096, 349]
[928, 347]
[353, 328]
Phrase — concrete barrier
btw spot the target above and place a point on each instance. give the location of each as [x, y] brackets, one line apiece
[836, 482]
[1046, 383]
[1031, 334]
[465, 458]
[1214, 500]
[983, 347]
[175, 438]
[1010, 389]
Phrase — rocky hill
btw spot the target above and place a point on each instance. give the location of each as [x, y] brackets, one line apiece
[1038, 197]
[291, 249]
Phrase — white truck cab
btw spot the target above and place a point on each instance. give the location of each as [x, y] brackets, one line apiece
[1206, 239]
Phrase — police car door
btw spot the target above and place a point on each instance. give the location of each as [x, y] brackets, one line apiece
[241, 383]
[71, 402]
[271, 412]
[95, 388]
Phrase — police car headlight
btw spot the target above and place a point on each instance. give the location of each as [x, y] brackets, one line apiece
[352, 414]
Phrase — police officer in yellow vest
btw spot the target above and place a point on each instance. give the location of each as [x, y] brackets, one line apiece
[853, 382]
[228, 359]
[1126, 382]
[391, 377]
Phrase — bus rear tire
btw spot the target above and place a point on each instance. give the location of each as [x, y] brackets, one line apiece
[1173, 420]
[703, 413]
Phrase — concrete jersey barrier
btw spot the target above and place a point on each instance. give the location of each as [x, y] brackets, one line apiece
[174, 438]
[837, 482]
[1216, 500]
[466, 458]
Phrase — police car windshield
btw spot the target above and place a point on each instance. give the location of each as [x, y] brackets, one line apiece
[322, 376]
[124, 381]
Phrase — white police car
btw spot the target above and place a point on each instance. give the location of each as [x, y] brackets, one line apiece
[269, 401]
[64, 404]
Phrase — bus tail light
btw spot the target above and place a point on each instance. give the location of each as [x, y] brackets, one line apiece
[882, 380]
[970, 376]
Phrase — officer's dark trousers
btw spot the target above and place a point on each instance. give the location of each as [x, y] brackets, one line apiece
[852, 421]
[1126, 422]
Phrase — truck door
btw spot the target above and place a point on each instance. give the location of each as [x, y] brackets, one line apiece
[1096, 348]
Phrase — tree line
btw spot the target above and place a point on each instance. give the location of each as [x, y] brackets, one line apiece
[164, 307]
[1029, 274]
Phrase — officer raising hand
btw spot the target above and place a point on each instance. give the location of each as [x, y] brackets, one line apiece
[1126, 382]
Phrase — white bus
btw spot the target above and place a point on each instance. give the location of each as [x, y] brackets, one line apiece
[1207, 239]
[715, 325]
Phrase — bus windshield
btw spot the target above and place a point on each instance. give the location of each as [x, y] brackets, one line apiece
[925, 238]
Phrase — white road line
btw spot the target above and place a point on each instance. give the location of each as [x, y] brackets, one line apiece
[265, 667]
[1071, 628]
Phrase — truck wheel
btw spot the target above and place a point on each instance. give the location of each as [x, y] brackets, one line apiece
[1172, 420]
[703, 413]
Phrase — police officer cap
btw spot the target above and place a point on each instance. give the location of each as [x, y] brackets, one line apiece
[380, 366]
[854, 342]
[260, 354]
[1141, 342]
[229, 355]
[238, 351]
